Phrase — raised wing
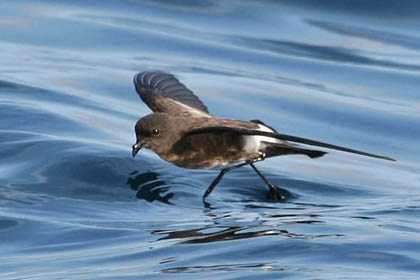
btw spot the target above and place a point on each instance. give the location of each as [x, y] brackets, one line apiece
[163, 93]
[285, 137]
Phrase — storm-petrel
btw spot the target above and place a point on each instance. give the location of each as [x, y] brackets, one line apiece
[182, 131]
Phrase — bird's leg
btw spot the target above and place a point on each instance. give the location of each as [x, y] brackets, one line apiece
[273, 191]
[219, 177]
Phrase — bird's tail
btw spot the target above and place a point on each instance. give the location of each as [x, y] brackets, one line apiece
[285, 137]
[311, 153]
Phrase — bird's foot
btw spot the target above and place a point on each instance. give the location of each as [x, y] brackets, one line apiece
[274, 194]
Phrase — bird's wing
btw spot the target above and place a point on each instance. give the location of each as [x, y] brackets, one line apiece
[283, 137]
[163, 93]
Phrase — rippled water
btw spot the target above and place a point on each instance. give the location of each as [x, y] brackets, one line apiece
[75, 205]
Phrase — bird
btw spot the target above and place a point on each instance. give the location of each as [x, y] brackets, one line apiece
[182, 131]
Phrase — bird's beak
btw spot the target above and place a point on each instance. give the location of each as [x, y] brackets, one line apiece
[136, 148]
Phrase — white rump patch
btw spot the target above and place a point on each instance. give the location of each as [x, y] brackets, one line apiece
[253, 143]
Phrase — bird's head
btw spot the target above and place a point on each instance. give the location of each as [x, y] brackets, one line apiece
[156, 131]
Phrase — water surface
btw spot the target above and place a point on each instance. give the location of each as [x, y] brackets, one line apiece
[75, 205]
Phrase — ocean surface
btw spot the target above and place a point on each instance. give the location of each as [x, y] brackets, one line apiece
[74, 204]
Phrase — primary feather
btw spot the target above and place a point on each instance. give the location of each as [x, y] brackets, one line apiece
[164, 93]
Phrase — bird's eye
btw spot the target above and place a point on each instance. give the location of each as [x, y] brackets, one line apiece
[155, 132]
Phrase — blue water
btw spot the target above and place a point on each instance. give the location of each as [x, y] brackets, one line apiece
[75, 205]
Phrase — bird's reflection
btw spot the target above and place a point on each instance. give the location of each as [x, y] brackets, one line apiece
[149, 187]
[222, 267]
[220, 233]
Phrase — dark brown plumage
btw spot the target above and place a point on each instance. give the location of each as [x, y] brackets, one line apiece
[182, 131]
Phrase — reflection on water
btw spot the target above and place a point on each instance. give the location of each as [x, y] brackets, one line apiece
[233, 233]
[222, 267]
[149, 187]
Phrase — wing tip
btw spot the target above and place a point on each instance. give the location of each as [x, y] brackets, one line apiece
[138, 79]
[389, 158]
[147, 76]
